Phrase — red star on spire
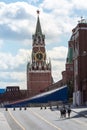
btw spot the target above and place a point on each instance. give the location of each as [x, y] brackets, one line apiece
[38, 11]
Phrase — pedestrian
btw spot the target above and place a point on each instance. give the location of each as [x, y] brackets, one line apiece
[62, 112]
[69, 111]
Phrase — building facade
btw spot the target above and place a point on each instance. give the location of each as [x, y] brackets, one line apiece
[76, 64]
[79, 41]
[39, 68]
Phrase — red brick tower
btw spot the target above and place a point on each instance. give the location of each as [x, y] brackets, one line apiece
[79, 42]
[38, 69]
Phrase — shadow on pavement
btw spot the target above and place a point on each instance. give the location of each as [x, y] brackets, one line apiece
[80, 114]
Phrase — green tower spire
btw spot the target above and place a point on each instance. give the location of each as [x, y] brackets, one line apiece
[38, 26]
[70, 55]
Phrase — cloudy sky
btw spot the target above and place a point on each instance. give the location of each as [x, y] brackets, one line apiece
[17, 24]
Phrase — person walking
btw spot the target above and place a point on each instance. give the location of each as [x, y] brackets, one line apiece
[69, 112]
[63, 112]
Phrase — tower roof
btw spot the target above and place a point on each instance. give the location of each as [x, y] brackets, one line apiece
[70, 55]
[38, 26]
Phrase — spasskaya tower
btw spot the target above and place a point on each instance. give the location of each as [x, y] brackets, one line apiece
[39, 68]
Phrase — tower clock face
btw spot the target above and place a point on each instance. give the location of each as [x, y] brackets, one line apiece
[39, 56]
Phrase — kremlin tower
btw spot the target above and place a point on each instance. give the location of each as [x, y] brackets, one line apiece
[38, 69]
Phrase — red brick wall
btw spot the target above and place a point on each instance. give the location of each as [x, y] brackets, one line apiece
[38, 81]
[67, 75]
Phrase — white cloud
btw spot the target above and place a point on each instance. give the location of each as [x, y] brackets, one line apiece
[14, 79]
[58, 56]
[58, 52]
[11, 72]
[8, 61]
[18, 20]
[52, 5]
[64, 6]
[80, 4]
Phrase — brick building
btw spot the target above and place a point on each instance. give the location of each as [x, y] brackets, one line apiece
[38, 69]
[76, 64]
[79, 42]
